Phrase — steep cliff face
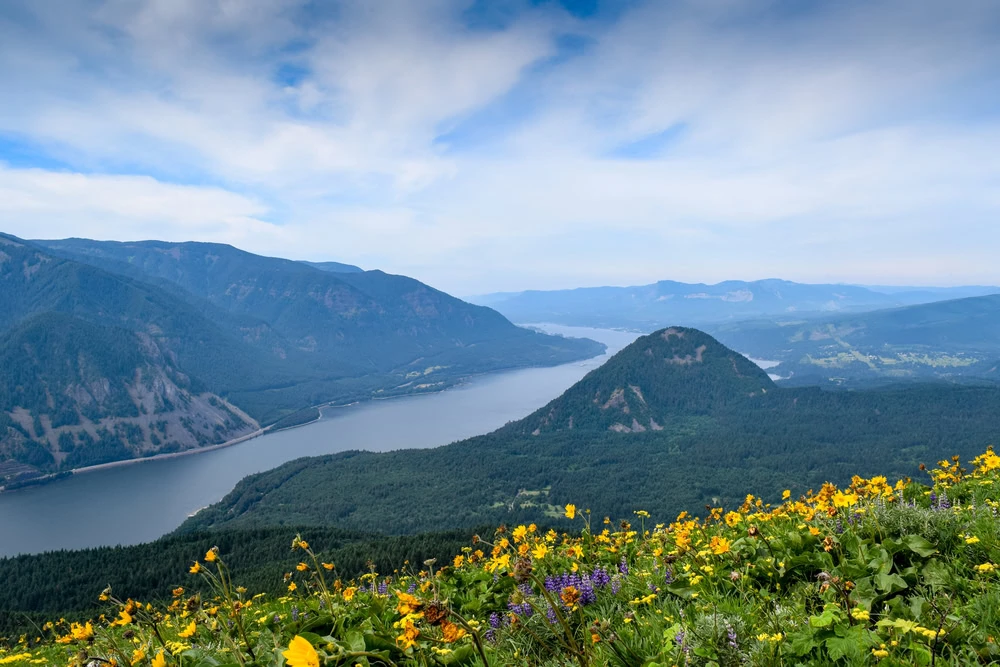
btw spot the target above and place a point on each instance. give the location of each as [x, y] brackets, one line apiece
[76, 393]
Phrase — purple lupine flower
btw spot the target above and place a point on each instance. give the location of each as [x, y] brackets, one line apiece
[933, 500]
[651, 586]
[383, 588]
[490, 635]
[600, 577]
[495, 620]
[412, 588]
[551, 615]
[295, 613]
[623, 566]
[731, 636]
[668, 577]
[587, 594]
[679, 637]
[616, 585]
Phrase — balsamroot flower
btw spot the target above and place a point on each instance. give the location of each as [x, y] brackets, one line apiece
[300, 653]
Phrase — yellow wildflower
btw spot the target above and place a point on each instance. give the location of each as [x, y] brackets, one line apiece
[540, 551]
[196, 568]
[212, 554]
[159, 660]
[451, 633]
[570, 511]
[189, 631]
[301, 653]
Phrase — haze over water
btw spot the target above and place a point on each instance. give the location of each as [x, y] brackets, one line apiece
[138, 503]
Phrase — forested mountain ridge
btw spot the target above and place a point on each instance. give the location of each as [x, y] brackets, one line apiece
[955, 339]
[93, 367]
[353, 323]
[104, 362]
[648, 307]
[670, 372]
[724, 431]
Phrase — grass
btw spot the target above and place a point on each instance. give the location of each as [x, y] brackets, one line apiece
[902, 574]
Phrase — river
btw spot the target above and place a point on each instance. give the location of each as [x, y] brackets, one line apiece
[138, 503]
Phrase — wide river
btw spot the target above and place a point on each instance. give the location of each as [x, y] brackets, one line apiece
[138, 503]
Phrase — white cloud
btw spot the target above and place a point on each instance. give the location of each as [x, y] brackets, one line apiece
[850, 142]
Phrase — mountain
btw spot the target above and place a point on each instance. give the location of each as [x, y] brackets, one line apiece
[649, 307]
[160, 348]
[673, 422]
[349, 323]
[955, 339]
[334, 267]
[93, 367]
[676, 371]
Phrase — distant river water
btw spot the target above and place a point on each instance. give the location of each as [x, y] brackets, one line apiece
[138, 503]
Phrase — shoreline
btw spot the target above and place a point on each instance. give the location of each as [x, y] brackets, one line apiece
[463, 380]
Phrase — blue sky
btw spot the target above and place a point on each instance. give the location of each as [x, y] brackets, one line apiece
[486, 146]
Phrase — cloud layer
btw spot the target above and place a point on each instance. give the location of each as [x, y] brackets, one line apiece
[498, 146]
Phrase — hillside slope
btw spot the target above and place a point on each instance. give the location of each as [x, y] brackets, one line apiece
[358, 323]
[722, 430]
[104, 361]
[953, 339]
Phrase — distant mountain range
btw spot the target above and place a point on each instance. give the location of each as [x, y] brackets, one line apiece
[119, 350]
[675, 421]
[951, 340]
[665, 303]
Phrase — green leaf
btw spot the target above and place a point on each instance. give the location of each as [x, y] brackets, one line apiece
[355, 641]
[889, 583]
[919, 545]
[843, 647]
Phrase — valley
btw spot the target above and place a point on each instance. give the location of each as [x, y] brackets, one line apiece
[75, 513]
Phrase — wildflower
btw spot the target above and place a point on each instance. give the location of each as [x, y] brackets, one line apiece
[301, 567]
[327, 566]
[719, 545]
[880, 653]
[408, 638]
[212, 554]
[786, 494]
[519, 534]
[570, 511]
[138, 656]
[301, 653]
[971, 539]
[292, 587]
[124, 618]
[860, 614]
[159, 660]
[986, 568]
[540, 551]
[349, 593]
[459, 561]
[82, 632]
[570, 595]
[177, 592]
[407, 603]
[189, 631]
[196, 568]
[451, 633]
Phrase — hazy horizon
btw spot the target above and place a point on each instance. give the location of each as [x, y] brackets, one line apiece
[504, 146]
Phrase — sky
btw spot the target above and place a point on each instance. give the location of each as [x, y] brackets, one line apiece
[487, 146]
